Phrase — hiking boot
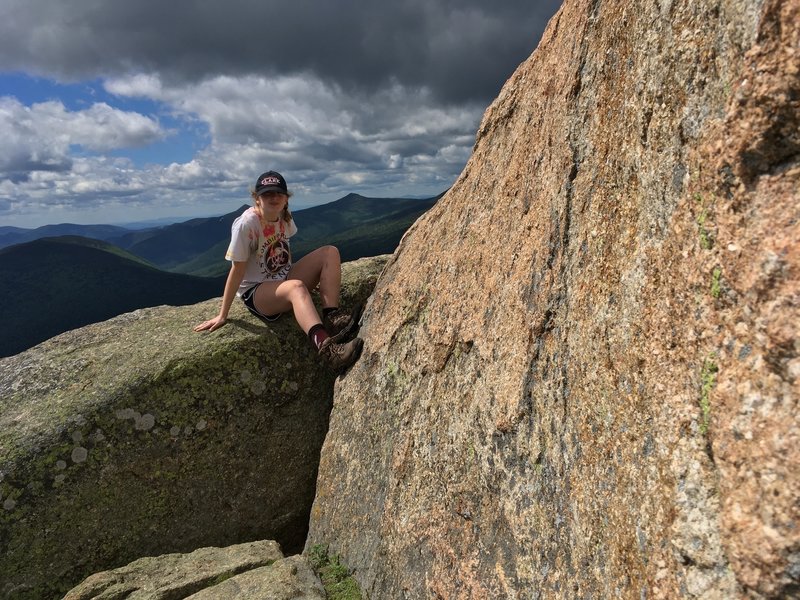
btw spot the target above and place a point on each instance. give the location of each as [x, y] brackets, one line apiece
[340, 356]
[341, 325]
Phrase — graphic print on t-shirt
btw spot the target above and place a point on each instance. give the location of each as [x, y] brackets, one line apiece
[275, 251]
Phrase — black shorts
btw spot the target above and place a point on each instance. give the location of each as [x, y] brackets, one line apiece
[248, 297]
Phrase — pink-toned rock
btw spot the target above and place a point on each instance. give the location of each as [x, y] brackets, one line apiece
[580, 367]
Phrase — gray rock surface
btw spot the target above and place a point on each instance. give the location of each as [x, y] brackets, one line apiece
[580, 376]
[252, 571]
[176, 575]
[139, 437]
[291, 578]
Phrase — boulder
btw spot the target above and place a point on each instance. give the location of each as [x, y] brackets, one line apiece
[139, 437]
[580, 375]
[291, 578]
[253, 571]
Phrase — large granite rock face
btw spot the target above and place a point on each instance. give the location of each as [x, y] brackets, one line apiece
[580, 375]
[138, 437]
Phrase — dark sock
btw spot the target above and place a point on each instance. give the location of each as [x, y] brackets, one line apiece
[317, 335]
[329, 310]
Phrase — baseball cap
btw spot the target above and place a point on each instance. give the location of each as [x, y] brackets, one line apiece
[271, 181]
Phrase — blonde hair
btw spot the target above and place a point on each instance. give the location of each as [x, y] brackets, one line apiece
[285, 214]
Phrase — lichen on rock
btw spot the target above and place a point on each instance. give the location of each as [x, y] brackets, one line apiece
[137, 437]
[540, 421]
[238, 572]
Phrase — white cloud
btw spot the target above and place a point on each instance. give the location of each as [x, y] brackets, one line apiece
[463, 50]
[43, 136]
[389, 108]
[140, 85]
[327, 142]
[305, 125]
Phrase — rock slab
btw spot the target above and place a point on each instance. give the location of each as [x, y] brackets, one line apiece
[252, 571]
[580, 375]
[139, 437]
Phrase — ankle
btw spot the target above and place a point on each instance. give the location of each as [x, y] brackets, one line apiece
[317, 335]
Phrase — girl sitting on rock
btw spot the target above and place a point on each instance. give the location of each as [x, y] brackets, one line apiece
[263, 276]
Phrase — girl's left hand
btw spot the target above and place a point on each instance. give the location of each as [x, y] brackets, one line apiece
[212, 324]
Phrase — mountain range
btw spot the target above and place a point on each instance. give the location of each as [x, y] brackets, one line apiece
[10, 236]
[52, 285]
[60, 277]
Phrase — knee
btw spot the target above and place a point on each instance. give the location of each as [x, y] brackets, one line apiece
[331, 254]
[296, 290]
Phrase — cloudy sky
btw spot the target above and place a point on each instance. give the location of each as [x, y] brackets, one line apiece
[115, 112]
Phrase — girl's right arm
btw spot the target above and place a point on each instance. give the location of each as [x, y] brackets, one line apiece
[235, 277]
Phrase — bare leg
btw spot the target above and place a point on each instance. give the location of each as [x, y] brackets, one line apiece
[321, 267]
[273, 297]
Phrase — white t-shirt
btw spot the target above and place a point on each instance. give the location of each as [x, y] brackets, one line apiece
[264, 245]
